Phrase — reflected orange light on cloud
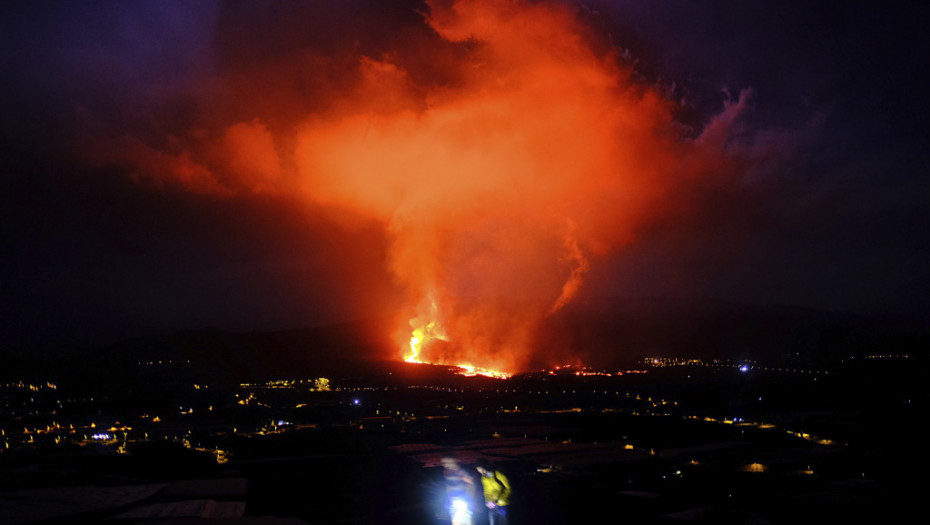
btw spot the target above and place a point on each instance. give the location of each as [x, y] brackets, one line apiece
[498, 186]
[498, 191]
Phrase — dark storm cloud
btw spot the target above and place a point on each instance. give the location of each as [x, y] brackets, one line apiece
[829, 211]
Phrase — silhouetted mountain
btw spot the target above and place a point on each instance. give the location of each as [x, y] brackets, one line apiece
[612, 332]
[207, 355]
[606, 332]
[260, 356]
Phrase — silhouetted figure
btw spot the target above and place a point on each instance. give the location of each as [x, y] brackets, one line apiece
[496, 492]
[459, 492]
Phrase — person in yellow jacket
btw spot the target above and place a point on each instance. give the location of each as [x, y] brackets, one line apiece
[496, 492]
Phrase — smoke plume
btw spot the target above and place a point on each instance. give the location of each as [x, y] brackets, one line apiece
[503, 146]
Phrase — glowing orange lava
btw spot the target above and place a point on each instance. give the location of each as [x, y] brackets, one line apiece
[413, 357]
[427, 329]
[469, 370]
[465, 369]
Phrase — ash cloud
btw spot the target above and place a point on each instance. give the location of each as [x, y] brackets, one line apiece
[497, 175]
[500, 148]
[497, 158]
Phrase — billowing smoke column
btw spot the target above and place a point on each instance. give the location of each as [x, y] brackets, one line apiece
[498, 186]
[496, 190]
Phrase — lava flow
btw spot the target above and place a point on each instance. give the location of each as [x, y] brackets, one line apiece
[463, 368]
[431, 331]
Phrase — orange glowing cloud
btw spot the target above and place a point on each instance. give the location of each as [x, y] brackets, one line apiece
[250, 157]
[497, 189]
[499, 181]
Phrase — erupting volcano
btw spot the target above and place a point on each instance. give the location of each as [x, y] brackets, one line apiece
[498, 186]
[503, 153]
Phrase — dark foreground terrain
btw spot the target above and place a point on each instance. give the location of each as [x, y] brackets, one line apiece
[698, 441]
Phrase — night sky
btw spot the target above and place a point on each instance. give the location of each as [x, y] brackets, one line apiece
[772, 152]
